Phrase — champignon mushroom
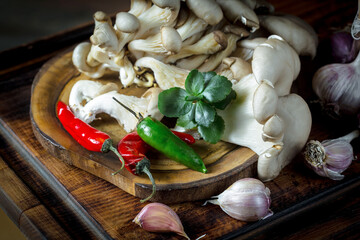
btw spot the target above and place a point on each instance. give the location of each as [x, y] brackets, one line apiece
[208, 10]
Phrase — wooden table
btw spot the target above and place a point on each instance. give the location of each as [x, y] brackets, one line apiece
[47, 198]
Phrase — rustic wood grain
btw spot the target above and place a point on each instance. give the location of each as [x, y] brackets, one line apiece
[92, 201]
[19, 203]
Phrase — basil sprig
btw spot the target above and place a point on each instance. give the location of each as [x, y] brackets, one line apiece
[195, 106]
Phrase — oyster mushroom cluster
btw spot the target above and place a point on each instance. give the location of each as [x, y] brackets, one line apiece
[156, 44]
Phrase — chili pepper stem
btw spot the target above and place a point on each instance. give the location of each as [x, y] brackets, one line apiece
[111, 148]
[116, 172]
[108, 146]
[147, 171]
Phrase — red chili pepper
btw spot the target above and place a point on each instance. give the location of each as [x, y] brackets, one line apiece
[133, 150]
[87, 136]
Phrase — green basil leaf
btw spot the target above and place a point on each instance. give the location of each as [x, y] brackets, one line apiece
[223, 104]
[204, 113]
[187, 121]
[194, 83]
[214, 132]
[171, 102]
[208, 76]
[217, 89]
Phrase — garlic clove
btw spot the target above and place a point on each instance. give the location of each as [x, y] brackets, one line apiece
[247, 199]
[330, 157]
[158, 217]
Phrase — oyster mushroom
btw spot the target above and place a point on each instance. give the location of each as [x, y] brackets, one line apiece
[191, 62]
[214, 60]
[234, 68]
[296, 118]
[259, 5]
[193, 25]
[79, 59]
[286, 139]
[86, 90]
[166, 75]
[235, 10]
[279, 75]
[296, 32]
[245, 48]
[208, 10]
[167, 41]
[103, 103]
[127, 22]
[137, 7]
[209, 44]
[104, 34]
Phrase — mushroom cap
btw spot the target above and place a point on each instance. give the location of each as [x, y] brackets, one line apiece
[126, 22]
[171, 39]
[101, 16]
[208, 10]
[173, 4]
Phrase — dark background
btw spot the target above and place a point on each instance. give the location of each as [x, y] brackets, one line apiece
[24, 21]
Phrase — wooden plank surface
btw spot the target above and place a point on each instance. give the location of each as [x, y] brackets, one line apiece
[88, 207]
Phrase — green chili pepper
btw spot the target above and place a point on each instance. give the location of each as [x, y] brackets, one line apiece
[160, 137]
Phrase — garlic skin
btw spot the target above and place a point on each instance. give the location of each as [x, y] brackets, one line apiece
[343, 47]
[158, 217]
[330, 157]
[247, 200]
[338, 87]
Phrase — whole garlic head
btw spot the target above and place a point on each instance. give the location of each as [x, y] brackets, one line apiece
[247, 199]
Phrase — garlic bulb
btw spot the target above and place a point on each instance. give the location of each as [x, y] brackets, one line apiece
[247, 199]
[158, 217]
[330, 157]
[343, 47]
[338, 87]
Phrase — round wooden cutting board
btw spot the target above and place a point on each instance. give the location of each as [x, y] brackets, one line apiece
[175, 183]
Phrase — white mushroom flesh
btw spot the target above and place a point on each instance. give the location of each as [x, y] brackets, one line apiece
[157, 43]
